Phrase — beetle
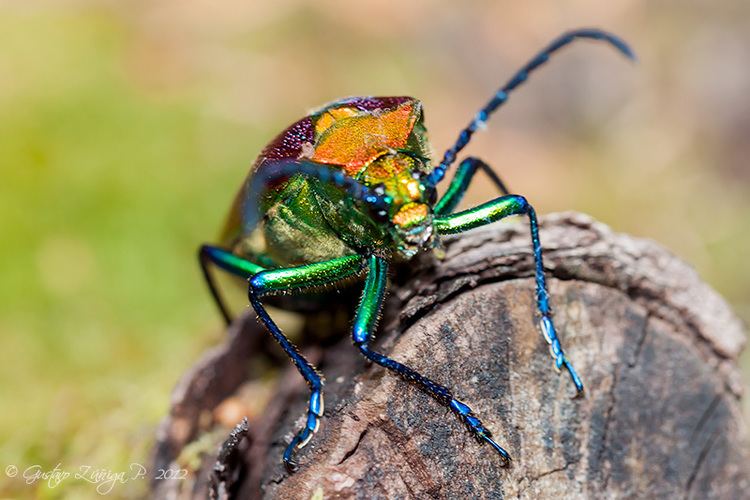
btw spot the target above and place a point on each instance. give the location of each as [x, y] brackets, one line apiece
[349, 190]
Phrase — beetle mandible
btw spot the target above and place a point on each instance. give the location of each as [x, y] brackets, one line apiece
[349, 189]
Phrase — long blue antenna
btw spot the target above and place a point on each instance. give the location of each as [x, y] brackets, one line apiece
[273, 171]
[502, 95]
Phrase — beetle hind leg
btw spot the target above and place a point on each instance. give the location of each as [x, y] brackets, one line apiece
[227, 261]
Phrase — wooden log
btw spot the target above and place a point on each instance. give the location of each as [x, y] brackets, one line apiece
[655, 346]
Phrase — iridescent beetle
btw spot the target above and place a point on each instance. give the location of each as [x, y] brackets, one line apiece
[349, 189]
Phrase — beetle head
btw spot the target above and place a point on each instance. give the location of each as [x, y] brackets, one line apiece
[398, 178]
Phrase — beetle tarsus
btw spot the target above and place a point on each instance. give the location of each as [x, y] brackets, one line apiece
[291, 466]
[477, 428]
[580, 391]
[504, 455]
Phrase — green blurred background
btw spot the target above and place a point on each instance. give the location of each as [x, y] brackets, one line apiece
[126, 127]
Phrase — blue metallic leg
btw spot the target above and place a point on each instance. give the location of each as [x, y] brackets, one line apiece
[493, 211]
[226, 260]
[313, 379]
[365, 323]
[460, 183]
[296, 279]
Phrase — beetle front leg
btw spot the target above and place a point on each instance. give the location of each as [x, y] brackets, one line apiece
[493, 211]
[296, 279]
[460, 183]
[365, 323]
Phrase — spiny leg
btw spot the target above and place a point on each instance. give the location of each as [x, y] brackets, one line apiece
[460, 183]
[295, 279]
[501, 96]
[493, 211]
[226, 260]
[364, 326]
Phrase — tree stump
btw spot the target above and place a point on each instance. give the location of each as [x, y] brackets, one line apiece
[655, 346]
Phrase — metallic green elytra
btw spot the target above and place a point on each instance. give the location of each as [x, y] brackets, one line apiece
[351, 188]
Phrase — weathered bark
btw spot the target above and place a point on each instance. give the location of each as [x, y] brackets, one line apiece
[654, 345]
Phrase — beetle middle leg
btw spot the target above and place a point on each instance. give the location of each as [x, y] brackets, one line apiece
[365, 323]
[460, 183]
[295, 279]
[495, 210]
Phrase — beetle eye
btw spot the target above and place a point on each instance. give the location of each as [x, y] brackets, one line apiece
[380, 215]
[379, 211]
[431, 194]
[429, 191]
[379, 206]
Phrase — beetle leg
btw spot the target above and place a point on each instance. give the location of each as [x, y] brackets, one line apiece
[460, 183]
[226, 260]
[364, 325]
[308, 372]
[493, 211]
[296, 279]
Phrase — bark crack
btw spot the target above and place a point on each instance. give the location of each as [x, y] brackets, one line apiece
[533, 479]
[551, 471]
[351, 452]
[699, 463]
[641, 341]
[706, 416]
[605, 432]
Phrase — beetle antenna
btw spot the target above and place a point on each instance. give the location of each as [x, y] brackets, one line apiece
[271, 172]
[501, 96]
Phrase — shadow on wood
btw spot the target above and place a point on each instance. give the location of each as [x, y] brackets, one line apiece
[655, 346]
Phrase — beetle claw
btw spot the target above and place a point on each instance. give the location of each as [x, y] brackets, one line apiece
[291, 466]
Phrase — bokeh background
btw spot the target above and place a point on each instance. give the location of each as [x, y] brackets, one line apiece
[126, 127]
